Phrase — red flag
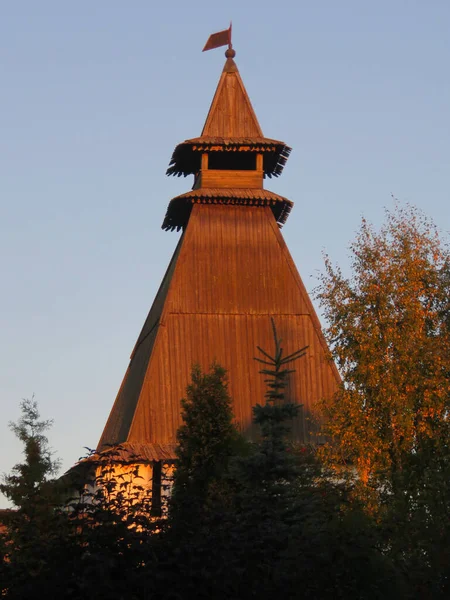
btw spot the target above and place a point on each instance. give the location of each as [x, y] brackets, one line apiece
[221, 38]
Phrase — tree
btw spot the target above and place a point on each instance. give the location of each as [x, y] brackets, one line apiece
[207, 440]
[29, 529]
[247, 521]
[277, 526]
[389, 424]
[95, 545]
[271, 466]
[295, 535]
[26, 478]
[388, 329]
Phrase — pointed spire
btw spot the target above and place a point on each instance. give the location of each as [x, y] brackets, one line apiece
[231, 114]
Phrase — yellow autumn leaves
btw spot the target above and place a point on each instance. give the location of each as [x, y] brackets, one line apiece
[389, 331]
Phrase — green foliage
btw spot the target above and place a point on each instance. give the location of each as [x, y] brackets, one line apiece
[98, 544]
[207, 437]
[275, 416]
[109, 531]
[92, 545]
[207, 440]
[388, 325]
[28, 537]
[26, 478]
[416, 520]
[245, 521]
[284, 529]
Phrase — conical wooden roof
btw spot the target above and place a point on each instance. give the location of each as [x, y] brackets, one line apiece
[231, 272]
[231, 114]
[229, 275]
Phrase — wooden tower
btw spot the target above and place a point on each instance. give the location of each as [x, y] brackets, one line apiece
[230, 273]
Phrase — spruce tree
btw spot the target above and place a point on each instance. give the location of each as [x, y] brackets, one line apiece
[207, 440]
[25, 480]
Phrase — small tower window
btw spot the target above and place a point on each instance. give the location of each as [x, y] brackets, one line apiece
[232, 161]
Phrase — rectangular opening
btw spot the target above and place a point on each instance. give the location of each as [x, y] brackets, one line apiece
[232, 161]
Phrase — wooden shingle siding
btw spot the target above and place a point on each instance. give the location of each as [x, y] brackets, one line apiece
[233, 272]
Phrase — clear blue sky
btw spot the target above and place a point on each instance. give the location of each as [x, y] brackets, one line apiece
[94, 97]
